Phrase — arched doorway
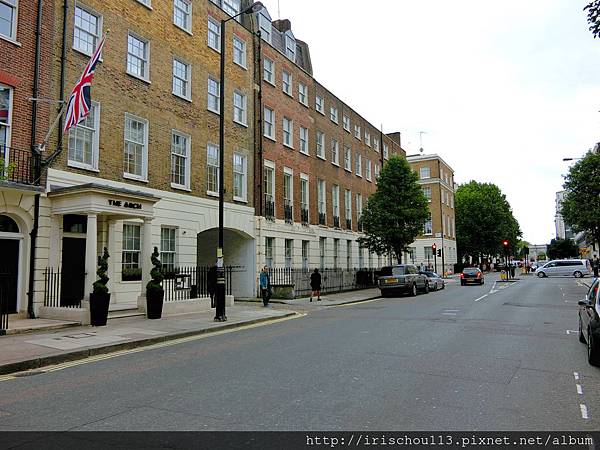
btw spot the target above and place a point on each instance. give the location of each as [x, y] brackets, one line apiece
[10, 245]
[239, 252]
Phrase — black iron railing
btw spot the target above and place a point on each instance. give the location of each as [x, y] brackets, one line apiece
[8, 283]
[185, 283]
[288, 212]
[54, 296]
[332, 280]
[348, 224]
[304, 216]
[336, 221]
[321, 218]
[19, 166]
[269, 210]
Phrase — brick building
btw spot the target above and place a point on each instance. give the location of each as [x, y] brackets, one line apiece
[437, 179]
[23, 124]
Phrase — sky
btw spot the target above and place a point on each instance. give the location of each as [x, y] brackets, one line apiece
[501, 90]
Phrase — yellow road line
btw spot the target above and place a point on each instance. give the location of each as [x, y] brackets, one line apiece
[358, 302]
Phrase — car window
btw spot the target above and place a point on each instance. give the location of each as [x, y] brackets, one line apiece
[400, 270]
[593, 291]
[471, 271]
[550, 264]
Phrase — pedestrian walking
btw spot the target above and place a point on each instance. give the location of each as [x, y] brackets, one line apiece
[265, 285]
[595, 265]
[315, 285]
[211, 284]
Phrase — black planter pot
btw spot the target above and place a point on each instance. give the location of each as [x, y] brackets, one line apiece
[154, 304]
[99, 309]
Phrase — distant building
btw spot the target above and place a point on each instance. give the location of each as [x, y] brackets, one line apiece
[535, 250]
[563, 231]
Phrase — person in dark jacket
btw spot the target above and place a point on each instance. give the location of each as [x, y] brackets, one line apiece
[595, 265]
[265, 286]
[315, 285]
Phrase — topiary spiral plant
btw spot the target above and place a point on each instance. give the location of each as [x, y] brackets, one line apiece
[99, 285]
[155, 273]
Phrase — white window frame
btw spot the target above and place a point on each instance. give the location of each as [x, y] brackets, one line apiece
[386, 151]
[358, 165]
[303, 93]
[231, 7]
[320, 145]
[146, 59]
[265, 27]
[288, 132]
[376, 170]
[290, 47]
[187, 157]
[427, 193]
[269, 166]
[367, 138]
[287, 83]
[333, 114]
[216, 96]
[187, 15]
[267, 62]
[239, 52]
[163, 251]
[132, 250]
[96, 36]
[95, 141]
[14, 5]
[320, 104]
[187, 82]
[144, 168]
[368, 170]
[210, 146]
[269, 125]
[304, 140]
[288, 253]
[346, 123]
[146, 3]
[217, 34]
[305, 194]
[288, 174]
[322, 197]
[8, 124]
[424, 173]
[348, 204]
[376, 144]
[269, 251]
[335, 152]
[305, 254]
[359, 206]
[348, 159]
[243, 174]
[357, 131]
[240, 109]
[428, 226]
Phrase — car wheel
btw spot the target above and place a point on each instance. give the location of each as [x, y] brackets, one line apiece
[592, 350]
[541, 275]
[577, 274]
[426, 287]
[581, 336]
[413, 292]
[435, 286]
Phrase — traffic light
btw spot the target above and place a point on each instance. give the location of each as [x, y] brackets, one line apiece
[505, 243]
[433, 247]
[439, 252]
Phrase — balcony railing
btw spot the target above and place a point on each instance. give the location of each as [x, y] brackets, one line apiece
[19, 166]
[336, 221]
[288, 212]
[304, 216]
[321, 218]
[270, 210]
[349, 224]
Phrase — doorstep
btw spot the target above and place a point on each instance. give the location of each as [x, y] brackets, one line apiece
[19, 326]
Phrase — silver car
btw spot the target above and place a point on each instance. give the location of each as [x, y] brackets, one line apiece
[402, 278]
[564, 268]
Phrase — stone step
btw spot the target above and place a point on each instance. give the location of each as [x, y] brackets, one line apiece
[121, 313]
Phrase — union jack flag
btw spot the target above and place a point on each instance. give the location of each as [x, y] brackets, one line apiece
[80, 101]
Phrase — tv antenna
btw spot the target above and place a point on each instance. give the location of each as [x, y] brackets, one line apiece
[421, 133]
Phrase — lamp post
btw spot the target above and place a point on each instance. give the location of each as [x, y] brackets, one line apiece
[220, 287]
[571, 159]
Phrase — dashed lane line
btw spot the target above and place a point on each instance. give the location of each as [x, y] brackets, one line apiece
[576, 375]
[584, 411]
[579, 390]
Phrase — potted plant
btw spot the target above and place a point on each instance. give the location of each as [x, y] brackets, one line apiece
[154, 290]
[100, 297]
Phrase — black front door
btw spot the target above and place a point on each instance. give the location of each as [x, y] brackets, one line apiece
[9, 274]
[73, 272]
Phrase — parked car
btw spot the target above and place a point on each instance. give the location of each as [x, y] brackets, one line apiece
[435, 281]
[589, 322]
[402, 278]
[564, 267]
[471, 275]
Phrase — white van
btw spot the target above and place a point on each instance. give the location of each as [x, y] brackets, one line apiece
[565, 268]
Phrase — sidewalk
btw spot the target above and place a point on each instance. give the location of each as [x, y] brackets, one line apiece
[43, 348]
[340, 298]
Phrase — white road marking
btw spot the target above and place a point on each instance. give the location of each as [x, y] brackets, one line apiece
[449, 314]
[482, 297]
[579, 390]
[584, 411]
[452, 310]
[572, 331]
[576, 375]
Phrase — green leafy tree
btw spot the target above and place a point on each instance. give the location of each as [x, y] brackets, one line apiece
[395, 213]
[581, 205]
[593, 17]
[562, 249]
[484, 219]
[541, 256]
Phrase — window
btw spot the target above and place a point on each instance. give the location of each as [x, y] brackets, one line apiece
[83, 138]
[231, 7]
[181, 79]
[182, 14]
[5, 116]
[428, 228]
[348, 159]
[367, 138]
[333, 114]
[214, 34]
[424, 173]
[269, 251]
[322, 250]
[346, 123]
[358, 164]
[376, 144]
[452, 201]
[336, 252]
[377, 171]
[427, 193]
[269, 123]
[265, 26]
[385, 151]
[320, 145]
[168, 248]
[322, 205]
[136, 147]
[269, 71]
[319, 104]
[357, 131]
[359, 206]
[428, 252]
[335, 200]
[180, 160]
[239, 108]
[304, 140]
[305, 254]
[288, 188]
[212, 169]
[304, 194]
[8, 19]
[239, 52]
[361, 256]
[303, 94]
[290, 47]
[138, 57]
[286, 78]
[443, 195]
[131, 251]
[368, 169]
[239, 177]
[288, 132]
[289, 253]
[335, 150]
[86, 34]
[348, 204]
[147, 3]
[348, 254]
[214, 95]
[269, 173]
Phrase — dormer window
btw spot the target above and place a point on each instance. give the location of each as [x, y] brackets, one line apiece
[290, 46]
[264, 23]
[231, 7]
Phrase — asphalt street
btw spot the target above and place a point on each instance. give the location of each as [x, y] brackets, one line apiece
[493, 357]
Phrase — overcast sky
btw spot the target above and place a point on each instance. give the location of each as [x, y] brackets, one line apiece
[503, 89]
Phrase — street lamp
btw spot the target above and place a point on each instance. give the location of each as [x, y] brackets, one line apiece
[220, 288]
[571, 159]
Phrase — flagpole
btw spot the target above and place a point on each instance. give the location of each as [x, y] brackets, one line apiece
[61, 112]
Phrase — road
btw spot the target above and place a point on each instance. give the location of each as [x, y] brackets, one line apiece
[456, 359]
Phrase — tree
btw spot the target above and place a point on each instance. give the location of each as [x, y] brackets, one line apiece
[484, 219]
[581, 204]
[562, 249]
[593, 18]
[395, 213]
[541, 256]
